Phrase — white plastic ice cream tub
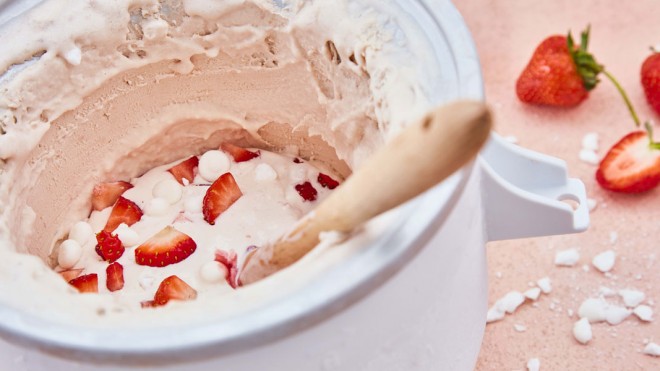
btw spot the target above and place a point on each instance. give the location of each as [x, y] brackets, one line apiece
[414, 299]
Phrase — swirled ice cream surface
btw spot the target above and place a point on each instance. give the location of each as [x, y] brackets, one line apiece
[97, 91]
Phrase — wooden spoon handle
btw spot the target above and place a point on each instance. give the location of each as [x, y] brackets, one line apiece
[420, 157]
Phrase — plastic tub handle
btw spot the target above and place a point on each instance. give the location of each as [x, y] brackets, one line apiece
[528, 194]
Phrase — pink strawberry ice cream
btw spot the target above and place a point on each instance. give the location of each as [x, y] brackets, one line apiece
[117, 92]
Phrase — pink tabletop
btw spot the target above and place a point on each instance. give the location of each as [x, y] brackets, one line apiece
[506, 33]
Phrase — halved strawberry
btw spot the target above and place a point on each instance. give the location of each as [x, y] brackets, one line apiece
[327, 182]
[185, 170]
[166, 247]
[86, 283]
[108, 246]
[220, 196]
[106, 194]
[70, 274]
[239, 154]
[632, 165]
[114, 277]
[124, 211]
[173, 288]
[307, 191]
[229, 260]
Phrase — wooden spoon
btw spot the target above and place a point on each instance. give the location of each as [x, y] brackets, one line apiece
[420, 157]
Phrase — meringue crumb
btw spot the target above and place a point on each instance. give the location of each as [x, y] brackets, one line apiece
[519, 327]
[604, 261]
[614, 236]
[533, 293]
[593, 310]
[606, 291]
[631, 298]
[567, 258]
[588, 156]
[533, 364]
[591, 204]
[582, 331]
[545, 285]
[652, 349]
[590, 141]
[644, 313]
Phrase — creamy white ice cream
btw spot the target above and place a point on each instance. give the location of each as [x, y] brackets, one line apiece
[96, 90]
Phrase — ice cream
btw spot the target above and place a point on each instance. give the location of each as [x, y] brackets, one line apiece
[102, 91]
[272, 193]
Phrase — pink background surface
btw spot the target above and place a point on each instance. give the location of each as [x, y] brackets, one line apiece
[506, 33]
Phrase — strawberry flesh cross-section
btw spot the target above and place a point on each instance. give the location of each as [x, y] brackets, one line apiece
[106, 194]
[219, 197]
[88, 283]
[124, 211]
[185, 170]
[169, 246]
[632, 165]
[172, 288]
[239, 154]
[114, 276]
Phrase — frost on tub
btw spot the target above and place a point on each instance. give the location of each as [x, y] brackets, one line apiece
[131, 101]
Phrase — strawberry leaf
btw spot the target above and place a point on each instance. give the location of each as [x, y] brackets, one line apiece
[585, 62]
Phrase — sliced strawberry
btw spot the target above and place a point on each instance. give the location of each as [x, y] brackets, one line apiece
[86, 283]
[108, 246]
[327, 182]
[220, 196]
[70, 274]
[229, 260]
[173, 288]
[632, 165]
[306, 191]
[166, 247]
[239, 154]
[185, 170]
[106, 194]
[124, 211]
[114, 277]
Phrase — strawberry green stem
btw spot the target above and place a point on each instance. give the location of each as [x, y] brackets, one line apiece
[649, 130]
[624, 96]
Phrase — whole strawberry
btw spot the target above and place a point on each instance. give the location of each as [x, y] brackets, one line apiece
[651, 80]
[559, 73]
